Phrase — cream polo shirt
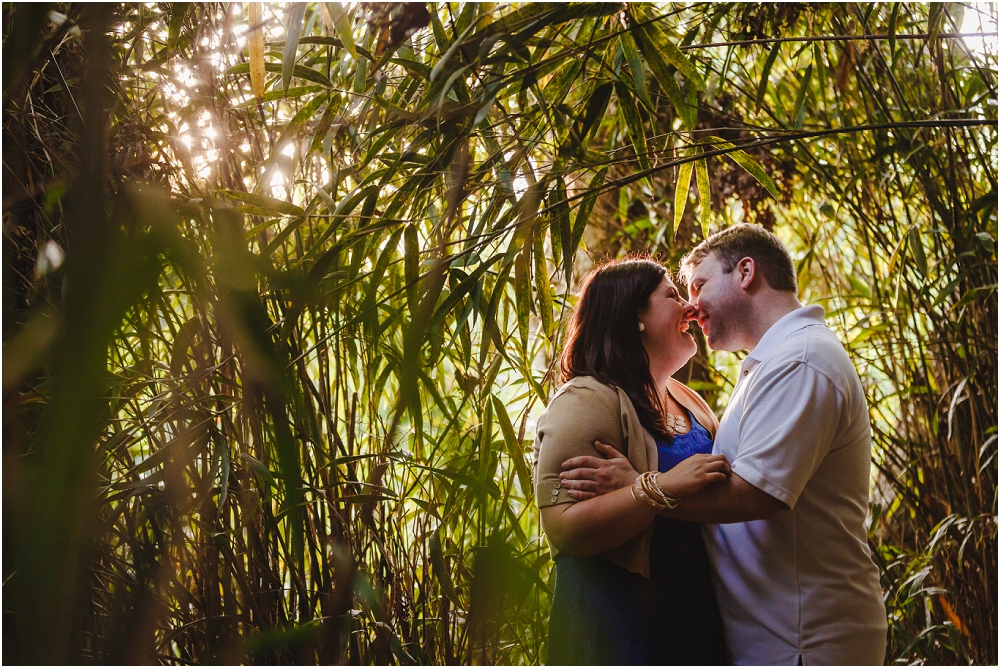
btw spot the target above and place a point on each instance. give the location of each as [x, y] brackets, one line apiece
[801, 585]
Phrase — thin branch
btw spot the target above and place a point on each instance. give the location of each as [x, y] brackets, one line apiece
[788, 136]
[837, 38]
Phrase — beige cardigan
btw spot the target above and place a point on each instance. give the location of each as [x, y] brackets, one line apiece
[585, 410]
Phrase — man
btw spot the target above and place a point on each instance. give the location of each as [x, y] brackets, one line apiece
[794, 576]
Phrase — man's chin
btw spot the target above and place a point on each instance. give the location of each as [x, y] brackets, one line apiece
[718, 344]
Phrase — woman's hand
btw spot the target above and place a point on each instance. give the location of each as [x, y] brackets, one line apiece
[587, 477]
[693, 474]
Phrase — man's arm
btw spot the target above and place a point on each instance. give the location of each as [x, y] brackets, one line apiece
[734, 500]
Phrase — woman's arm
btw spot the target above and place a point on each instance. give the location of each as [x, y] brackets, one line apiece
[597, 525]
[607, 521]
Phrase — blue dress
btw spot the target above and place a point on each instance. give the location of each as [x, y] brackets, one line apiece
[603, 614]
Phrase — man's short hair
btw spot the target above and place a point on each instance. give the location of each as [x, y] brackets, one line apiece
[743, 240]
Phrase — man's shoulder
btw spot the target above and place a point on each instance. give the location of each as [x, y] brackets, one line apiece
[818, 348]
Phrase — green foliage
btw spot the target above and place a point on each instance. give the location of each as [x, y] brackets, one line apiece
[277, 403]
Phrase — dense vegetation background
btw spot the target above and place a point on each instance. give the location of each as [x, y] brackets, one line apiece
[284, 287]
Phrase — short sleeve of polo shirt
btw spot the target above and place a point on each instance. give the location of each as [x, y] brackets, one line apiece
[574, 419]
[787, 426]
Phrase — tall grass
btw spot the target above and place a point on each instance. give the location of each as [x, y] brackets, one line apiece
[276, 403]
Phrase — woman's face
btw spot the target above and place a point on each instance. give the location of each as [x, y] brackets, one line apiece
[666, 319]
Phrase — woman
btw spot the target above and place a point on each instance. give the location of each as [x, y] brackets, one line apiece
[631, 587]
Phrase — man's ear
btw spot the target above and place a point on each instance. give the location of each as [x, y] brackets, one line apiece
[747, 271]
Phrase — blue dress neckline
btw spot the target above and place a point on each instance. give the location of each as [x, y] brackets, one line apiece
[672, 452]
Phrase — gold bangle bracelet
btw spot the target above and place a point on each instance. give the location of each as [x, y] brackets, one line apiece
[669, 502]
[640, 494]
[649, 484]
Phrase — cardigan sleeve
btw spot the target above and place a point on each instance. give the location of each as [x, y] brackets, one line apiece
[574, 419]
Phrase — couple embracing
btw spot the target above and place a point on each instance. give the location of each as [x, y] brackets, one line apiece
[682, 540]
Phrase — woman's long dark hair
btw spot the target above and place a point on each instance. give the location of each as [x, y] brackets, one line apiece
[603, 337]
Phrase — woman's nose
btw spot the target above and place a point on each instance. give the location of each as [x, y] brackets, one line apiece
[690, 311]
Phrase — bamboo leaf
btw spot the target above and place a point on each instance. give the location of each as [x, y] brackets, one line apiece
[596, 107]
[561, 230]
[635, 67]
[522, 291]
[178, 12]
[257, 467]
[300, 71]
[443, 61]
[303, 115]
[935, 12]
[514, 450]
[360, 78]
[741, 158]
[411, 264]
[633, 124]
[224, 479]
[917, 250]
[583, 214]
[439, 568]
[893, 17]
[542, 287]
[676, 57]
[681, 192]
[663, 73]
[801, 96]
[256, 65]
[342, 24]
[704, 195]
[182, 343]
[296, 13]
[768, 64]
[269, 205]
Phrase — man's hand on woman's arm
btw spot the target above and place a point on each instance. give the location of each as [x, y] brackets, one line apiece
[587, 477]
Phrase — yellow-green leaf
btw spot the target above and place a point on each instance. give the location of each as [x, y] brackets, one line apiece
[741, 158]
[256, 64]
[704, 195]
[342, 24]
[676, 57]
[681, 193]
[513, 445]
[542, 287]
[522, 291]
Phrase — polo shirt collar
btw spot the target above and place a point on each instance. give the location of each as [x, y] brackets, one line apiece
[780, 330]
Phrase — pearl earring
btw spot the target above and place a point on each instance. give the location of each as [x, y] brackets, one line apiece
[642, 327]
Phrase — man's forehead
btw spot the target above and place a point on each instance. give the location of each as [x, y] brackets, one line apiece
[704, 268]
